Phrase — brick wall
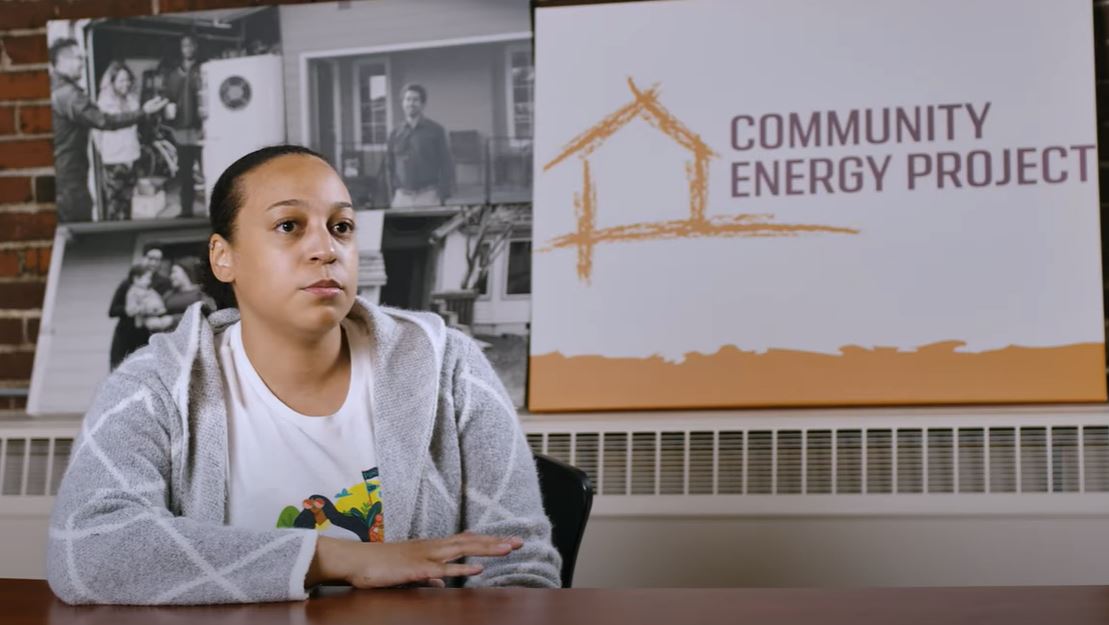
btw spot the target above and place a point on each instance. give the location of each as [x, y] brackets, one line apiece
[26, 187]
[27, 216]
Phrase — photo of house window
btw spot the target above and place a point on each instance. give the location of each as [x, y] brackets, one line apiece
[373, 106]
[518, 280]
[521, 77]
[481, 283]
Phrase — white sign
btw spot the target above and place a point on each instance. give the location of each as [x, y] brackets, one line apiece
[746, 203]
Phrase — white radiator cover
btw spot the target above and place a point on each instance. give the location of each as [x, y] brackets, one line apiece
[845, 497]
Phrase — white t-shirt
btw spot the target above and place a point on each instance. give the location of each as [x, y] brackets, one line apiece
[292, 470]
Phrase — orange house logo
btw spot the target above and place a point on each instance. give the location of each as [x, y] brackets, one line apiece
[645, 106]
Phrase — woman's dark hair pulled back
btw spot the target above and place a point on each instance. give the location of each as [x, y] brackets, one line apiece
[227, 198]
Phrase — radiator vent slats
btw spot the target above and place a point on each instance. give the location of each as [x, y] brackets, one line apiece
[972, 468]
[701, 462]
[789, 462]
[792, 461]
[614, 475]
[760, 462]
[1096, 447]
[1064, 459]
[818, 468]
[672, 463]
[941, 460]
[910, 461]
[1033, 460]
[730, 463]
[879, 462]
[850, 461]
[32, 466]
[1003, 460]
[643, 463]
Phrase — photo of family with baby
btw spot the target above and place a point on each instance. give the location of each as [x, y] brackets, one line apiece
[152, 298]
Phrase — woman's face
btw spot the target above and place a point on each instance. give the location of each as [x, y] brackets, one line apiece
[122, 82]
[143, 280]
[293, 261]
[179, 279]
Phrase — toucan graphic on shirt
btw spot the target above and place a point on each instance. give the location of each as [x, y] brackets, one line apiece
[357, 509]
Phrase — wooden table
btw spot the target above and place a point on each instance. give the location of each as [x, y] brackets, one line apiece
[30, 602]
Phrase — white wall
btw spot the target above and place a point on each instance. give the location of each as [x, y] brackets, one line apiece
[864, 551]
[23, 546]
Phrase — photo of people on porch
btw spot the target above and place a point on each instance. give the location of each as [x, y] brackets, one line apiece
[426, 112]
[142, 107]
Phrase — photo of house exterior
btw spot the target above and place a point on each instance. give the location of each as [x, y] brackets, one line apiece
[425, 109]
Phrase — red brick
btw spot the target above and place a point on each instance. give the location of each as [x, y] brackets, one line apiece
[28, 85]
[7, 120]
[9, 263]
[28, 226]
[11, 332]
[175, 6]
[44, 189]
[14, 189]
[36, 261]
[21, 295]
[23, 49]
[74, 9]
[31, 153]
[34, 119]
[16, 365]
[32, 330]
[25, 14]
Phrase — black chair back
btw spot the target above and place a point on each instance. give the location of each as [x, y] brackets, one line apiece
[567, 498]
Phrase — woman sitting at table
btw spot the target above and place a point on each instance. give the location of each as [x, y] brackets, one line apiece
[299, 434]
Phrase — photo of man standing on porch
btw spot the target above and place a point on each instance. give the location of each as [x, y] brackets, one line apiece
[181, 85]
[418, 159]
[425, 110]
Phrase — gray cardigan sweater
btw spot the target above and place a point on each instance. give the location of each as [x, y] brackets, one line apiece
[140, 517]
